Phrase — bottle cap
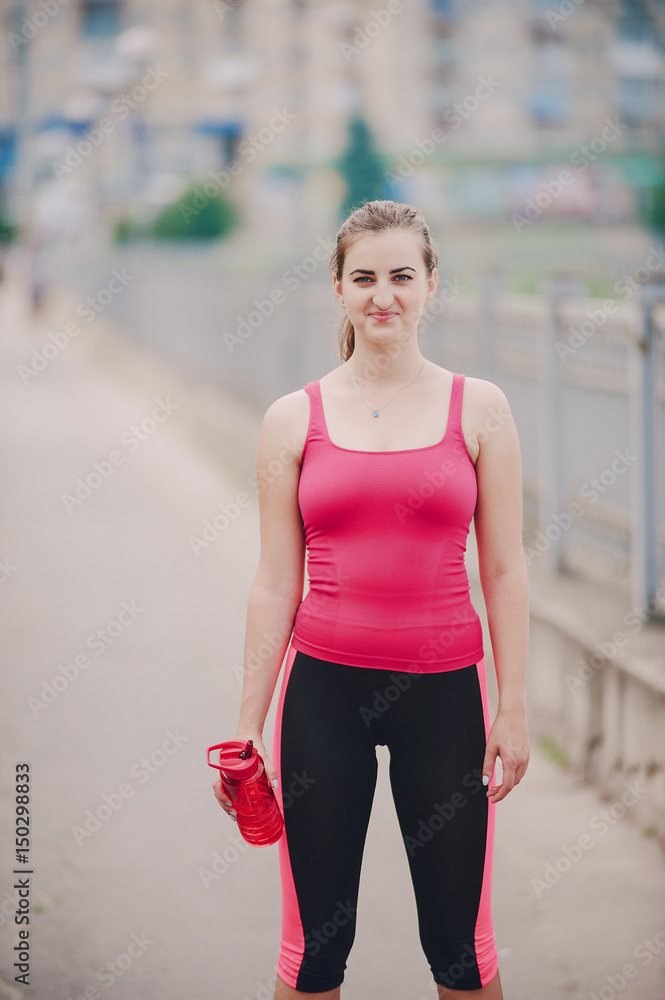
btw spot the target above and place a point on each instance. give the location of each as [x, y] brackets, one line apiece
[231, 763]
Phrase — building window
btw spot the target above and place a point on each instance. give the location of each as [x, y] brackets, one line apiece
[550, 100]
[100, 18]
[446, 9]
[640, 99]
[634, 23]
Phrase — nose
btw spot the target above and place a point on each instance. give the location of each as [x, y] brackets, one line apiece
[383, 296]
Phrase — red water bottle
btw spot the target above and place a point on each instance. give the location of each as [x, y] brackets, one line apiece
[245, 781]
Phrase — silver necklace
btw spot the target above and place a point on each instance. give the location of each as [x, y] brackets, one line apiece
[375, 412]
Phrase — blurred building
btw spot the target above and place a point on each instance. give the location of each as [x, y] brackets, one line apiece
[109, 106]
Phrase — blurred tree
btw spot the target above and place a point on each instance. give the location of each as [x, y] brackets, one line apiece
[362, 168]
[654, 212]
[8, 230]
[196, 215]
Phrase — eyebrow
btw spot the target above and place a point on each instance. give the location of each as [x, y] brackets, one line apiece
[359, 270]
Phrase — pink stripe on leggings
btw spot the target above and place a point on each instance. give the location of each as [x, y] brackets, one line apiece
[292, 946]
[486, 953]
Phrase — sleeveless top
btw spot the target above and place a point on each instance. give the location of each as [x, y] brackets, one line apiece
[386, 534]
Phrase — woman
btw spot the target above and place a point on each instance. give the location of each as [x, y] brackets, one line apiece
[375, 470]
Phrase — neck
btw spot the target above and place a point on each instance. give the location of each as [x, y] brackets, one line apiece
[386, 363]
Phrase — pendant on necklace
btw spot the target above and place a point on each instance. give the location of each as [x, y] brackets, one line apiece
[376, 413]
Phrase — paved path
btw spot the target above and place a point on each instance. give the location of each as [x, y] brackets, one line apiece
[121, 656]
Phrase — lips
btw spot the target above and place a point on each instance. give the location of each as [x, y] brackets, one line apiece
[379, 315]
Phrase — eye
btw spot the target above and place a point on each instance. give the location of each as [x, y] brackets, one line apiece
[366, 277]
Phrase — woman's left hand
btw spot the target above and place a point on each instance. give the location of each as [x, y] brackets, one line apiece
[509, 740]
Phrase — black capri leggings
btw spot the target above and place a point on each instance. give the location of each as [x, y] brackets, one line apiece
[330, 718]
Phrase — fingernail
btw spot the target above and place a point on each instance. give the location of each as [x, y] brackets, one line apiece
[274, 783]
[233, 814]
[486, 780]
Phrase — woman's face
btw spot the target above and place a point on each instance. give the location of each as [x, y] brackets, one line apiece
[385, 286]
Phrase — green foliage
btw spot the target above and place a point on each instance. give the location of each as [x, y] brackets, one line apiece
[554, 752]
[655, 213]
[8, 231]
[362, 168]
[196, 215]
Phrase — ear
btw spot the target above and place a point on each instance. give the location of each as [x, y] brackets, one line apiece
[337, 285]
[432, 281]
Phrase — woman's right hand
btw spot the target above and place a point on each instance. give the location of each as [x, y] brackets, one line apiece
[271, 771]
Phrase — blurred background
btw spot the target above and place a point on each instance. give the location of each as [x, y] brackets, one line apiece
[172, 178]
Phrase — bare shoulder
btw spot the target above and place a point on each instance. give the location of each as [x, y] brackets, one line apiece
[485, 409]
[285, 423]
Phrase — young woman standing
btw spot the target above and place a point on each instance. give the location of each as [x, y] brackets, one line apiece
[394, 455]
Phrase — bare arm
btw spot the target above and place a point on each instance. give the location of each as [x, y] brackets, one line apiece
[278, 584]
[503, 577]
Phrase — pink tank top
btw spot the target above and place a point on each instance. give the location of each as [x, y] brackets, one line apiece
[386, 538]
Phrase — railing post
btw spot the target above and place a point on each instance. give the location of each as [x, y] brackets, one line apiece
[643, 443]
[553, 496]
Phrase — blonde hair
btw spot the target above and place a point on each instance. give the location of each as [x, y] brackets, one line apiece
[375, 217]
